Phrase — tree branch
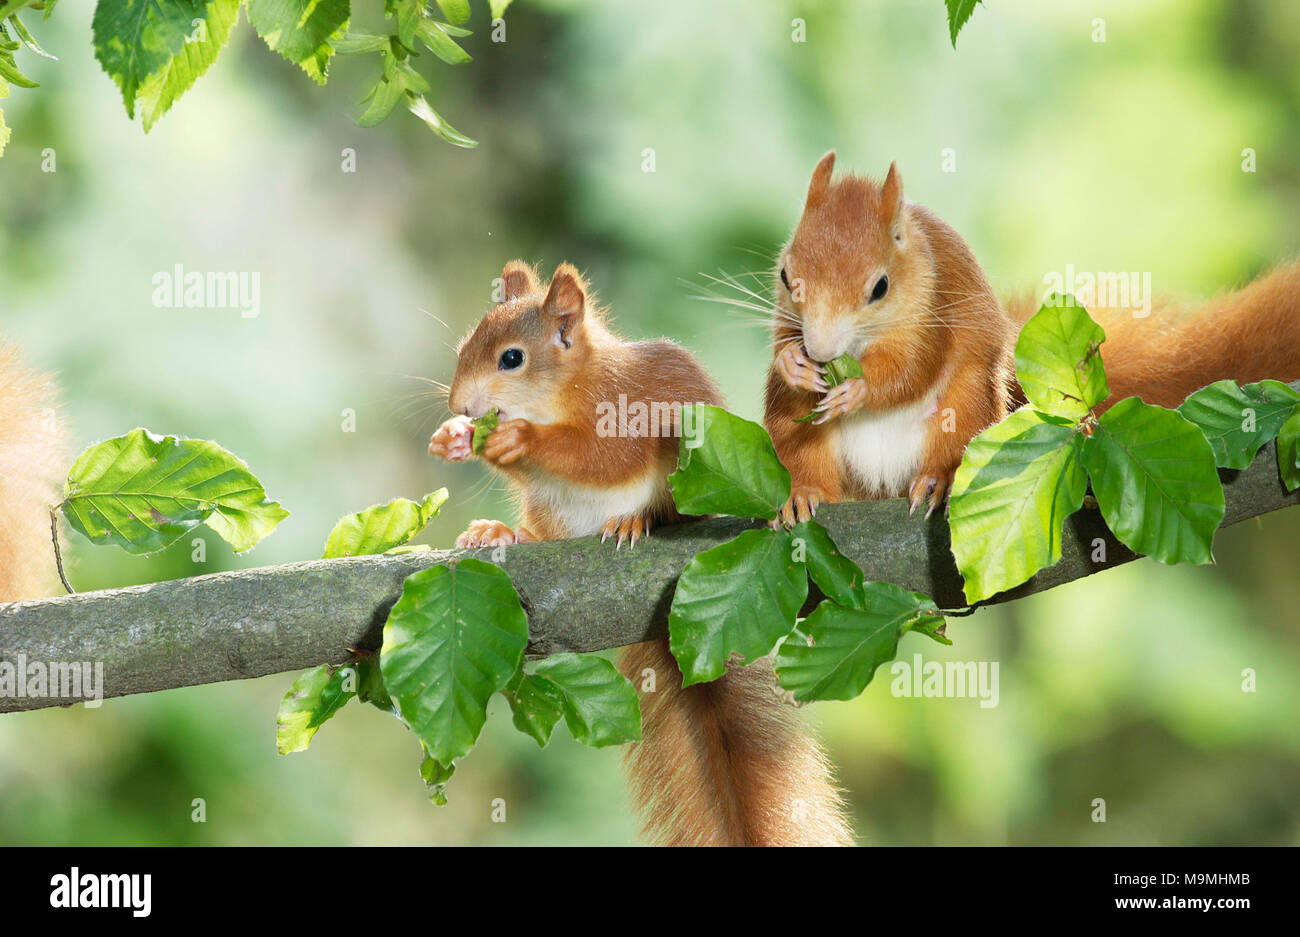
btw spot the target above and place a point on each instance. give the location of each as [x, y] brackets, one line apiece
[581, 595]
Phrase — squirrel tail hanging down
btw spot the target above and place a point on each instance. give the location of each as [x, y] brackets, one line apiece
[31, 458]
[727, 763]
[1248, 335]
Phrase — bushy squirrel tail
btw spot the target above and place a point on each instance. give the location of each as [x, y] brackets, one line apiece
[32, 458]
[1247, 335]
[726, 763]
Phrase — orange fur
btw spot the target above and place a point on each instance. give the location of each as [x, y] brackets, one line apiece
[31, 460]
[723, 763]
[1249, 335]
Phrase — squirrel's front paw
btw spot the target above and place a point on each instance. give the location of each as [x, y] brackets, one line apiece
[933, 484]
[485, 533]
[803, 504]
[800, 371]
[630, 529]
[509, 442]
[841, 400]
[454, 440]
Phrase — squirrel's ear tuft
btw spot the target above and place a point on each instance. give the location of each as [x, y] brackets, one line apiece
[517, 279]
[891, 200]
[566, 300]
[821, 180]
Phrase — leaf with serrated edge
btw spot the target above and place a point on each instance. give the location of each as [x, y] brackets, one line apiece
[739, 597]
[456, 636]
[1017, 483]
[1238, 420]
[1058, 359]
[1154, 476]
[381, 527]
[727, 466]
[142, 492]
[835, 651]
[837, 576]
[959, 11]
[154, 50]
[600, 705]
[303, 31]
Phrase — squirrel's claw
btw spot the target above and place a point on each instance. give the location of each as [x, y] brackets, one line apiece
[801, 506]
[628, 529]
[924, 487]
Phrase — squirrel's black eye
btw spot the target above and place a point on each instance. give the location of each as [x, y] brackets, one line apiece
[511, 358]
[784, 280]
[879, 290]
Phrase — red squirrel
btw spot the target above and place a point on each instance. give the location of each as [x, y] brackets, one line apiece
[722, 763]
[868, 274]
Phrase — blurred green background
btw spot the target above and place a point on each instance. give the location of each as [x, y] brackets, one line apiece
[1122, 155]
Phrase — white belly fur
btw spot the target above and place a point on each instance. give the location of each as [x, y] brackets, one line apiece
[883, 449]
[583, 509]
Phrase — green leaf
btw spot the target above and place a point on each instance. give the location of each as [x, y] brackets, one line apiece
[418, 106]
[1058, 359]
[353, 43]
[370, 685]
[727, 466]
[834, 652]
[9, 72]
[142, 492]
[314, 697]
[380, 101]
[433, 34]
[27, 39]
[435, 776]
[456, 11]
[959, 11]
[837, 371]
[1155, 480]
[1237, 420]
[153, 50]
[1288, 451]
[382, 527]
[456, 636]
[498, 8]
[740, 597]
[600, 705]
[303, 31]
[1017, 483]
[4, 133]
[837, 576]
[409, 14]
[342, 686]
[484, 426]
[536, 705]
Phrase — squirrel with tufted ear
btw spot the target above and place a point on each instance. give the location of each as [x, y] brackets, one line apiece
[870, 275]
[721, 763]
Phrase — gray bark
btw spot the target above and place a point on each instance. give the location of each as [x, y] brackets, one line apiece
[581, 595]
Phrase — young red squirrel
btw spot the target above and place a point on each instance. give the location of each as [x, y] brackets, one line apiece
[887, 282]
[722, 763]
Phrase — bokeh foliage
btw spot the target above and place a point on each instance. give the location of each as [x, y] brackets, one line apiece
[1123, 155]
